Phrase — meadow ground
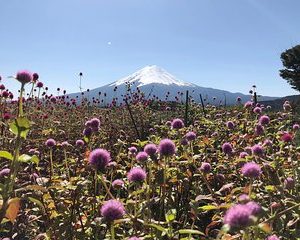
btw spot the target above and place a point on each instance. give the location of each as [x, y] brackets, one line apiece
[71, 171]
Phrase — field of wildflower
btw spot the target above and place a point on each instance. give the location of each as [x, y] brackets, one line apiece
[146, 169]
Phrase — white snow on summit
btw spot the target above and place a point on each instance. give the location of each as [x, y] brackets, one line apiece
[149, 75]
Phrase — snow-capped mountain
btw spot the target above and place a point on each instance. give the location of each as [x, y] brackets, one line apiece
[155, 82]
[151, 75]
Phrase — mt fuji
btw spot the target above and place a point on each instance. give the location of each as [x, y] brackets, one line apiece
[151, 75]
[155, 82]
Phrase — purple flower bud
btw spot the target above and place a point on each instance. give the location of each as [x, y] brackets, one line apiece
[205, 167]
[230, 124]
[257, 150]
[257, 110]
[4, 172]
[79, 143]
[50, 142]
[289, 183]
[117, 184]
[190, 136]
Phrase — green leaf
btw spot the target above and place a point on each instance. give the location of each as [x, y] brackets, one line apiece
[20, 126]
[6, 155]
[86, 139]
[37, 202]
[158, 227]
[270, 188]
[170, 215]
[26, 158]
[208, 208]
[190, 231]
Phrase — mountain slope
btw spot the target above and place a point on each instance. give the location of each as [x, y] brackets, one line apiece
[157, 83]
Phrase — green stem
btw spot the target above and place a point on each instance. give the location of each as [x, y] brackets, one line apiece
[67, 165]
[106, 188]
[282, 212]
[21, 101]
[250, 188]
[51, 164]
[31, 92]
[112, 231]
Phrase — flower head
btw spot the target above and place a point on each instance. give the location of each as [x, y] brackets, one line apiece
[6, 116]
[65, 144]
[177, 123]
[117, 184]
[244, 198]
[289, 183]
[257, 110]
[150, 149]
[227, 148]
[254, 208]
[112, 210]
[259, 129]
[166, 147]
[268, 143]
[238, 216]
[286, 137]
[272, 237]
[39, 84]
[264, 120]
[132, 149]
[248, 104]
[251, 170]
[50, 142]
[99, 158]
[230, 125]
[243, 155]
[24, 76]
[257, 149]
[205, 167]
[136, 174]
[35, 77]
[87, 132]
[94, 124]
[142, 156]
[79, 143]
[190, 136]
[4, 172]
[296, 127]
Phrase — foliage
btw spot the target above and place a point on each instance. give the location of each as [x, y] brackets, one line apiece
[291, 61]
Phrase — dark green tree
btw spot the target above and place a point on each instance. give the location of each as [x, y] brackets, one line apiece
[291, 61]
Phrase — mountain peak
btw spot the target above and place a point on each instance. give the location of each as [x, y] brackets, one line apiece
[151, 74]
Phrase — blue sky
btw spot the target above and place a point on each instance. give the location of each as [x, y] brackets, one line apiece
[225, 44]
